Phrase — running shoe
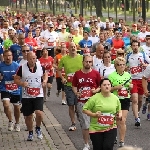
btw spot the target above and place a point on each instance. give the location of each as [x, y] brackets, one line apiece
[121, 144]
[48, 93]
[63, 102]
[137, 122]
[39, 134]
[148, 116]
[17, 127]
[115, 142]
[30, 137]
[86, 147]
[144, 109]
[10, 126]
[72, 127]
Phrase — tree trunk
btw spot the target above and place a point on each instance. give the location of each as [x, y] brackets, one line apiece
[76, 6]
[98, 6]
[50, 4]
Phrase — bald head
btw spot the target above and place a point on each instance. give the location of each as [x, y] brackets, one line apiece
[31, 58]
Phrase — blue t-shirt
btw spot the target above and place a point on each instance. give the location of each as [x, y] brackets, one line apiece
[7, 71]
[126, 41]
[85, 43]
[16, 51]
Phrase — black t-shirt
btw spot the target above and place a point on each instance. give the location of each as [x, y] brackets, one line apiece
[19, 72]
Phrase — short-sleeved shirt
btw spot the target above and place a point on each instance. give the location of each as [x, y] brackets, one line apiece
[7, 71]
[146, 72]
[108, 106]
[117, 79]
[71, 65]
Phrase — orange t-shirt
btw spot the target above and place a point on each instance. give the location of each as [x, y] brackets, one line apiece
[47, 63]
[59, 56]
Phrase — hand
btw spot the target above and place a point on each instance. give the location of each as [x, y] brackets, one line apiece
[131, 86]
[118, 87]
[94, 91]
[97, 114]
[78, 94]
[119, 116]
[24, 84]
[64, 81]
[146, 93]
[43, 84]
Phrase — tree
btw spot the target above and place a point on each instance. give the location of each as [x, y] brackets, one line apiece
[98, 6]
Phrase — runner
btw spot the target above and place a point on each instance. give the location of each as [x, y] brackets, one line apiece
[103, 108]
[106, 68]
[60, 85]
[10, 92]
[121, 84]
[85, 83]
[71, 63]
[29, 77]
[136, 61]
[47, 62]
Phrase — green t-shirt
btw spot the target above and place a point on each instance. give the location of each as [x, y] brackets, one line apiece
[135, 32]
[7, 43]
[71, 65]
[108, 106]
[117, 79]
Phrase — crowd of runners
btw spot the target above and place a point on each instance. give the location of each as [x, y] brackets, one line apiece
[100, 68]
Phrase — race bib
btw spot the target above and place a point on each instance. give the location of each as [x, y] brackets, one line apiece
[123, 93]
[32, 92]
[51, 44]
[11, 86]
[142, 40]
[87, 51]
[63, 72]
[70, 77]
[85, 94]
[106, 119]
[135, 70]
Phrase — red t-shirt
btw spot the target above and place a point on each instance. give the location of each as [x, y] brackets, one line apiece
[47, 63]
[31, 41]
[85, 82]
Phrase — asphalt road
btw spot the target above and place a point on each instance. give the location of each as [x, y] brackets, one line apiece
[139, 137]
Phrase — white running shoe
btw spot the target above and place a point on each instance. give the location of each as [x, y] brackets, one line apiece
[63, 102]
[86, 147]
[10, 126]
[39, 134]
[17, 127]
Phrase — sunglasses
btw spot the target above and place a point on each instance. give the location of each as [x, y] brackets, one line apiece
[73, 47]
[63, 28]
[120, 64]
[71, 37]
[120, 53]
[93, 31]
[25, 51]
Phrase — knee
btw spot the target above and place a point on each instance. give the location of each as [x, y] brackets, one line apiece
[39, 113]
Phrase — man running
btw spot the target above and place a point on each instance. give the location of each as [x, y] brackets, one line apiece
[85, 83]
[32, 77]
[71, 63]
[10, 92]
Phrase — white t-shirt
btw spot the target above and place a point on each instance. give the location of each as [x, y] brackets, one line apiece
[146, 72]
[97, 63]
[51, 37]
[63, 36]
[134, 62]
[93, 39]
[141, 37]
[106, 71]
[146, 50]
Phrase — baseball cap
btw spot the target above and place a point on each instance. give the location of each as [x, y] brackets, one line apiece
[147, 36]
[134, 25]
[51, 26]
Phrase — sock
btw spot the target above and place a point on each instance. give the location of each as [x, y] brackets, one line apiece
[38, 128]
[31, 132]
[10, 121]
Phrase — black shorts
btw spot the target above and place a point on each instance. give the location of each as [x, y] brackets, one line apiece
[60, 85]
[29, 105]
[14, 99]
[125, 104]
[38, 54]
[50, 79]
[50, 52]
